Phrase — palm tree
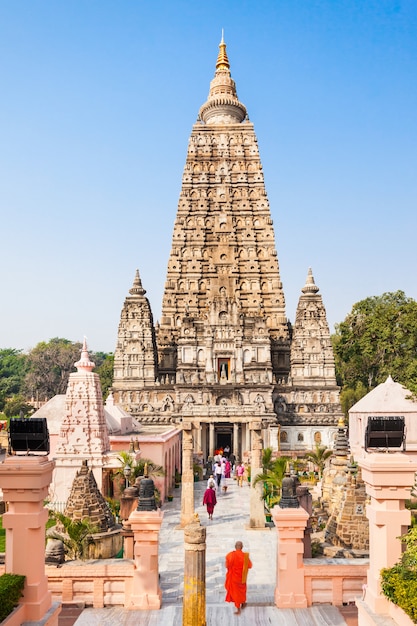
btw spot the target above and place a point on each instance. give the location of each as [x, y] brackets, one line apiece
[319, 457]
[273, 471]
[137, 467]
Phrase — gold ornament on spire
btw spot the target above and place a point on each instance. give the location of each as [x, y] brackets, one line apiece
[222, 60]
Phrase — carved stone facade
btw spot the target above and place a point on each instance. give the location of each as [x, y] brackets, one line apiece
[84, 433]
[309, 409]
[224, 355]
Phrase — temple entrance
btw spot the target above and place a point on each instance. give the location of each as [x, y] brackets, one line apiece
[224, 437]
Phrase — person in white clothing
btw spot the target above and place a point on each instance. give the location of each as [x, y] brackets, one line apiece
[218, 474]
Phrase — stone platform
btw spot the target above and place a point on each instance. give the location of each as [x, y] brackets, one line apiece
[231, 517]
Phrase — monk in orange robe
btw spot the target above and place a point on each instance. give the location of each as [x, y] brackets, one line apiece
[237, 565]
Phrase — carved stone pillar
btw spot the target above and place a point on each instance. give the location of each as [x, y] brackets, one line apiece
[187, 492]
[211, 439]
[236, 449]
[145, 593]
[198, 436]
[194, 600]
[257, 514]
[25, 481]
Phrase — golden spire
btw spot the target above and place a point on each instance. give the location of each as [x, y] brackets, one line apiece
[222, 60]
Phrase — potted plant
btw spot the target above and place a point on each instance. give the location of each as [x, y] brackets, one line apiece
[177, 479]
[170, 497]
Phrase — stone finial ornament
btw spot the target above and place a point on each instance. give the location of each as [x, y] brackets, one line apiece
[289, 498]
[84, 364]
[147, 500]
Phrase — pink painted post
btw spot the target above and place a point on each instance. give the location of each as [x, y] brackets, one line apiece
[146, 593]
[290, 525]
[25, 481]
[388, 478]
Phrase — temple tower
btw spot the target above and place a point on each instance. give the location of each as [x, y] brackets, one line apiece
[135, 358]
[219, 358]
[223, 310]
[83, 435]
[311, 395]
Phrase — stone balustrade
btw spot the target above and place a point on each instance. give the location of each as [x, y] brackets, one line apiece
[334, 581]
[106, 583]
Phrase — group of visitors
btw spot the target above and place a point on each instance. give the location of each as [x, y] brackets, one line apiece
[222, 466]
[221, 469]
[238, 562]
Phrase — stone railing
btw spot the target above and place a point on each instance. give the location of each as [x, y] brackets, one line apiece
[97, 583]
[334, 581]
[101, 583]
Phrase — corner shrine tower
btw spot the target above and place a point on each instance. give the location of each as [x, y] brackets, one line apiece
[224, 358]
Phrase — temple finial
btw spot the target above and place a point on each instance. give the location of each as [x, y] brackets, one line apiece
[222, 60]
[310, 287]
[84, 364]
[137, 288]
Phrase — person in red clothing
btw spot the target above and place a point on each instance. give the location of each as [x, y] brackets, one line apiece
[210, 499]
[237, 564]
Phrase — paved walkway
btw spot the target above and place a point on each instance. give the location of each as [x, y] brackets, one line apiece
[231, 516]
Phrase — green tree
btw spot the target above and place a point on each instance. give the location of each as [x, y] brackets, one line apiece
[13, 368]
[349, 396]
[49, 366]
[273, 471]
[16, 406]
[319, 457]
[377, 339]
[105, 371]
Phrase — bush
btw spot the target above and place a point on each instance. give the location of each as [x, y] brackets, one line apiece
[400, 586]
[11, 588]
[316, 548]
[399, 583]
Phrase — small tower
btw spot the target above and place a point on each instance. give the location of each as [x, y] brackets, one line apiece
[135, 358]
[84, 434]
[313, 398]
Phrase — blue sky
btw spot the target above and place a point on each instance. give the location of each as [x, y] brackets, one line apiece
[98, 100]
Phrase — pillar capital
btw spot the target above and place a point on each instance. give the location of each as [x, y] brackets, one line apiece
[388, 476]
[146, 520]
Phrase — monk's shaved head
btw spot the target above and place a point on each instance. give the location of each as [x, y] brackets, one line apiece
[238, 545]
